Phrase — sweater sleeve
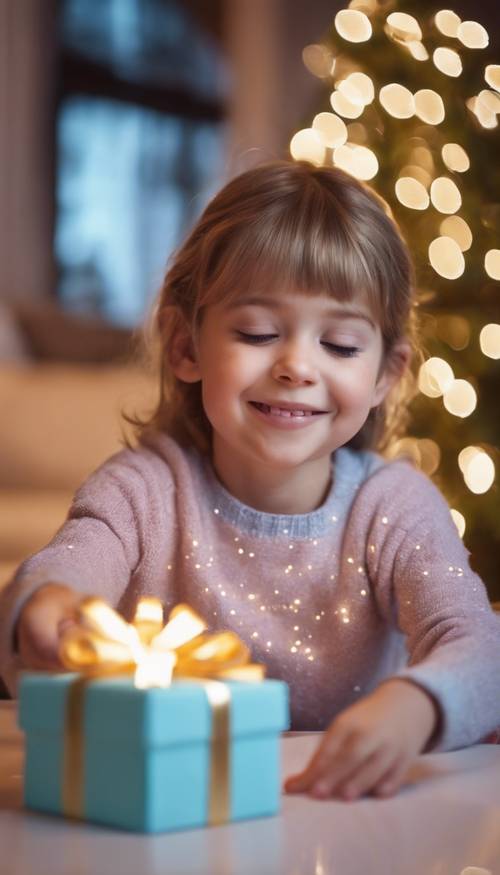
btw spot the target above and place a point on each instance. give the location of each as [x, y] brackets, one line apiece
[426, 586]
[97, 549]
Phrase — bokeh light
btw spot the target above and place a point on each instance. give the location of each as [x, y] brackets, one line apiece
[455, 157]
[447, 61]
[307, 145]
[397, 100]
[318, 60]
[447, 22]
[446, 258]
[403, 26]
[489, 340]
[492, 263]
[417, 50]
[445, 195]
[358, 88]
[460, 399]
[473, 35]
[458, 229]
[429, 106]
[486, 118]
[353, 25]
[360, 161]
[459, 520]
[454, 330]
[479, 472]
[330, 128]
[345, 107]
[435, 377]
[492, 76]
[411, 193]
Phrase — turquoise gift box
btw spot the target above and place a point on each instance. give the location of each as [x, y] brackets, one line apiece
[147, 753]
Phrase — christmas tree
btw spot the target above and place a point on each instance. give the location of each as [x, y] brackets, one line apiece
[411, 104]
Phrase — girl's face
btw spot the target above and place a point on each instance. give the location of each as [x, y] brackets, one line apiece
[286, 377]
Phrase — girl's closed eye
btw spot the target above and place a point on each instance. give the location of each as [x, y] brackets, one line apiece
[340, 349]
[255, 337]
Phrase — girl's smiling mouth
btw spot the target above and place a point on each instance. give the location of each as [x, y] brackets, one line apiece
[287, 415]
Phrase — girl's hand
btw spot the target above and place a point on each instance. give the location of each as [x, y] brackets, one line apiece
[369, 747]
[47, 613]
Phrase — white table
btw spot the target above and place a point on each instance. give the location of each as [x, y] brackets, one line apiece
[445, 820]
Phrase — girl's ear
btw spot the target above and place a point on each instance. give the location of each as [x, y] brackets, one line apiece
[392, 369]
[181, 353]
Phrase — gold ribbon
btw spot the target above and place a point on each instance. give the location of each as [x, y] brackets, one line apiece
[103, 644]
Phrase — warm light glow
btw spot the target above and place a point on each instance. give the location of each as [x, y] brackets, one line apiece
[358, 88]
[447, 22]
[479, 474]
[483, 113]
[489, 340]
[454, 330]
[492, 263]
[418, 173]
[460, 399]
[446, 258]
[417, 50]
[430, 455]
[397, 100]
[422, 156]
[455, 157]
[368, 6]
[445, 195]
[403, 26]
[456, 228]
[473, 35]
[318, 60]
[307, 145]
[459, 521]
[357, 133]
[343, 106]
[435, 377]
[466, 456]
[353, 25]
[429, 106]
[330, 128]
[447, 61]
[492, 76]
[411, 193]
[359, 161]
[490, 99]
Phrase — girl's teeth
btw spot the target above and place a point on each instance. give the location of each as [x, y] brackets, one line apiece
[280, 411]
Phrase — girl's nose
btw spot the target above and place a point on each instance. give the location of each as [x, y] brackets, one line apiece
[294, 367]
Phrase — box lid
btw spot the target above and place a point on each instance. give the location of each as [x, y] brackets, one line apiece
[114, 707]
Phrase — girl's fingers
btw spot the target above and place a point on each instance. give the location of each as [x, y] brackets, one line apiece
[336, 758]
[367, 776]
[392, 780]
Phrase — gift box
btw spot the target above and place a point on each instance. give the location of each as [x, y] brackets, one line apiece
[152, 760]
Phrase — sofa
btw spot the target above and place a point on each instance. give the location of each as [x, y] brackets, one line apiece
[59, 422]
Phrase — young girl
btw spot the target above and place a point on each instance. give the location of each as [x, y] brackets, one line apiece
[254, 495]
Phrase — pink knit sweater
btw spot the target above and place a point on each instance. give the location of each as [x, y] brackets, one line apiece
[374, 583]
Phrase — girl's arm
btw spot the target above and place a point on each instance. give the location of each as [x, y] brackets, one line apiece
[106, 541]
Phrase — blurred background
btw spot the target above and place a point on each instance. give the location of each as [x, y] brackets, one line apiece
[120, 118]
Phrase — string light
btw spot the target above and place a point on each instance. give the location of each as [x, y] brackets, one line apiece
[417, 50]
[429, 106]
[411, 193]
[446, 257]
[489, 340]
[307, 145]
[458, 229]
[492, 263]
[358, 88]
[330, 128]
[445, 195]
[459, 521]
[473, 35]
[318, 60]
[447, 22]
[492, 76]
[345, 107]
[460, 399]
[455, 157]
[403, 26]
[486, 118]
[435, 377]
[447, 61]
[353, 25]
[397, 100]
[479, 472]
[360, 161]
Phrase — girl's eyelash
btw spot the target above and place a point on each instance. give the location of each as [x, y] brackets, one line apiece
[337, 349]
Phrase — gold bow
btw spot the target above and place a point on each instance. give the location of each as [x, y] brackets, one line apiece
[102, 643]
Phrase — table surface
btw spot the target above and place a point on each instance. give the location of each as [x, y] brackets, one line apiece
[446, 821]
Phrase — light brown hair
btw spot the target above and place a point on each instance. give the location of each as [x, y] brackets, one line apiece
[317, 229]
